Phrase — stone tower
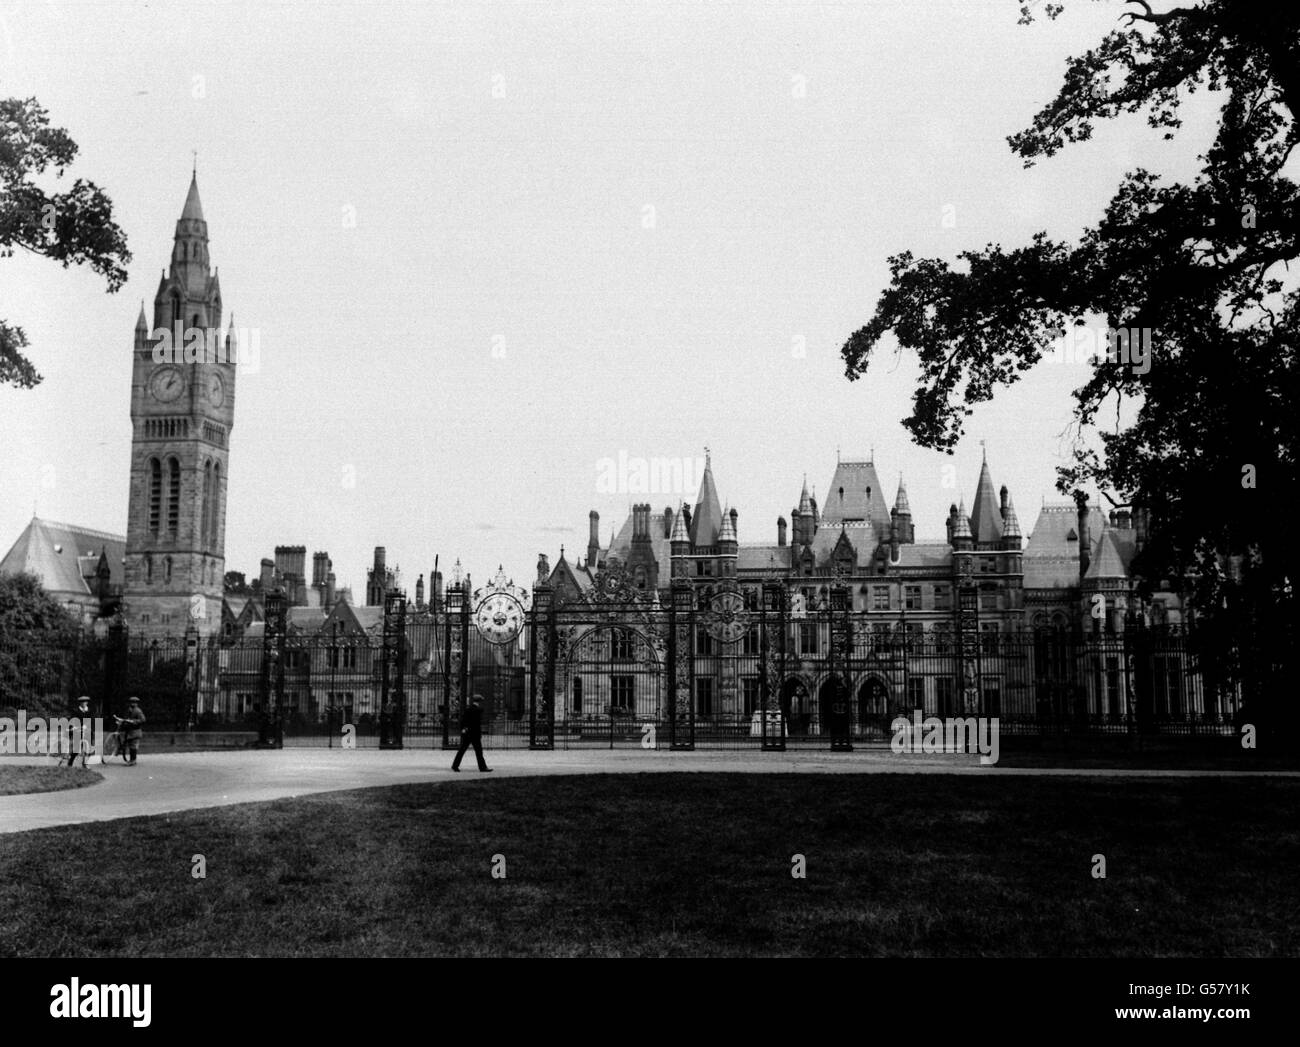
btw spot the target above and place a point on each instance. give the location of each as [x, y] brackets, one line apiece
[182, 411]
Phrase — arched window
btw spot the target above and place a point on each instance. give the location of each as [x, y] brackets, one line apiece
[173, 496]
[206, 511]
[167, 569]
[176, 310]
[155, 494]
[148, 569]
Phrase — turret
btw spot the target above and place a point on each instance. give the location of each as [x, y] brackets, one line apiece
[1010, 524]
[961, 535]
[780, 530]
[141, 329]
[727, 535]
[680, 544]
[902, 512]
[419, 593]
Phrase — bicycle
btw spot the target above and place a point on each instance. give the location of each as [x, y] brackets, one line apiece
[115, 743]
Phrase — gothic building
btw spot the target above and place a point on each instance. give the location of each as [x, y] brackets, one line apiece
[182, 411]
[979, 596]
[1074, 554]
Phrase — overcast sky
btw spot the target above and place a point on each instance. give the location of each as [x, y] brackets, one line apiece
[580, 230]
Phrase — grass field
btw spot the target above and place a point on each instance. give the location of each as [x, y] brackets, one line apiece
[15, 780]
[677, 864]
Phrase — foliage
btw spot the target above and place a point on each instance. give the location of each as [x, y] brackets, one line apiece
[39, 646]
[74, 227]
[1211, 446]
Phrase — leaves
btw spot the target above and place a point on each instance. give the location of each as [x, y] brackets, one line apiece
[75, 227]
[1199, 266]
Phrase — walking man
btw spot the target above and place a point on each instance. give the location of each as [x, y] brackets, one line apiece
[471, 733]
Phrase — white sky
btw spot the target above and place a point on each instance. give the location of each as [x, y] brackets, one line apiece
[520, 222]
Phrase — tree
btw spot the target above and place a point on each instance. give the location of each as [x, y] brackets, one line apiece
[1198, 268]
[38, 646]
[75, 227]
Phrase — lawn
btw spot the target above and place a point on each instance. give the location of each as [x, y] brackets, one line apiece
[681, 864]
[15, 780]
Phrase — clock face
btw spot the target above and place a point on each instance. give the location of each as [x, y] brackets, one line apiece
[499, 617]
[216, 390]
[167, 384]
[729, 623]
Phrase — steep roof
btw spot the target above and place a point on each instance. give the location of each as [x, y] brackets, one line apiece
[847, 498]
[65, 557]
[1107, 561]
[900, 501]
[1051, 557]
[193, 210]
[985, 514]
[706, 521]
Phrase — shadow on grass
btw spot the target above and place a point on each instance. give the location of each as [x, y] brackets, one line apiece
[698, 864]
[16, 780]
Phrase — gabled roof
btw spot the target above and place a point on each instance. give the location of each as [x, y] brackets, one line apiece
[65, 557]
[566, 579]
[863, 537]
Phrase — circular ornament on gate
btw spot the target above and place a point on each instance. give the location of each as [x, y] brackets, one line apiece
[729, 622]
[499, 610]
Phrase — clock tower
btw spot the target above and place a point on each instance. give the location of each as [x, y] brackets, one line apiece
[182, 411]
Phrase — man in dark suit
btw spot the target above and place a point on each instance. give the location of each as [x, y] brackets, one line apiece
[471, 733]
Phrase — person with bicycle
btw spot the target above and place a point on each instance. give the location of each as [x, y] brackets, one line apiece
[129, 726]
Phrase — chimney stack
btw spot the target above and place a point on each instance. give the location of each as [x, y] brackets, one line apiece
[1085, 539]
